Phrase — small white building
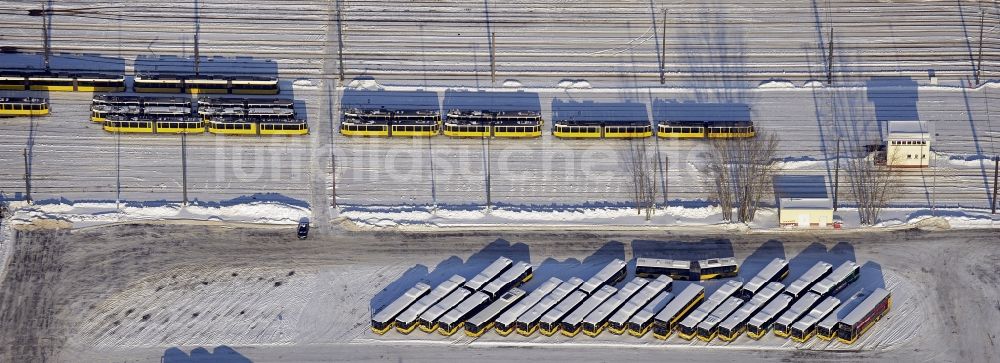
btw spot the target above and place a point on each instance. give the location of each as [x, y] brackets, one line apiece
[803, 201]
[908, 144]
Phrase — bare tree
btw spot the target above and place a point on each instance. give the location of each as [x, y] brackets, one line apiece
[870, 179]
[741, 171]
[640, 165]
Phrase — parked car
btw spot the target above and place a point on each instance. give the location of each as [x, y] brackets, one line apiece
[303, 230]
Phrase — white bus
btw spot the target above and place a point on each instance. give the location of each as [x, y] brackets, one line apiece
[597, 319]
[843, 275]
[736, 324]
[549, 323]
[489, 273]
[485, 319]
[709, 327]
[428, 321]
[688, 328]
[783, 325]
[507, 321]
[642, 321]
[527, 323]
[572, 323]
[666, 320]
[651, 267]
[815, 273]
[760, 323]
[386, 318]
[407, 321]
[611, 274]
[455, 318]
[774, 271]
[618, 323]
[826, 328]
[804, 329]
[515, 276]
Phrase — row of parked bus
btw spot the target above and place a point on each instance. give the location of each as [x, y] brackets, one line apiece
[23, 106]
[216, 115]
[491, 300]
[523, 124]
[710, 268]
[155, 83]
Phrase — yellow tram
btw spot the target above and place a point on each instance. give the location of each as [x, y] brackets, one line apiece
[504, 124]
[206, 84]
[730, 130]
[157, 84]
[100, 83]
[468, 124]
[247, 85]
[51, 82]
[705, 129]
[283, 127]
[25, 106]
[384, 123]
[13, 82]
[128, 124]
[229, 126]
[517, 124]
[570, 129]
[103, 105]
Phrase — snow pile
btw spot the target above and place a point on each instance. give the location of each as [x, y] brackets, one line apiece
[813, 84]
[574, 84]
[304, 84]
[512, 83]
[365, 84]
[408, 217]
[776, 84]
[62, 215]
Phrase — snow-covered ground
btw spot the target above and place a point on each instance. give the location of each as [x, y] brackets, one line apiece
[554, 57]
[303, 299]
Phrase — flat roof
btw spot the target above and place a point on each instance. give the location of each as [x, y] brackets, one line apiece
[908, 127]
[792, 187]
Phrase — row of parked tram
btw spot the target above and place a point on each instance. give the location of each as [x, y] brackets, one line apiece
[426, 123]
[159, 83]
[23, 106]
[522, 124]
[807, 307]
[216, 115]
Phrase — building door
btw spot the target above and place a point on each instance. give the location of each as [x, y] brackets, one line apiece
[803, 220]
